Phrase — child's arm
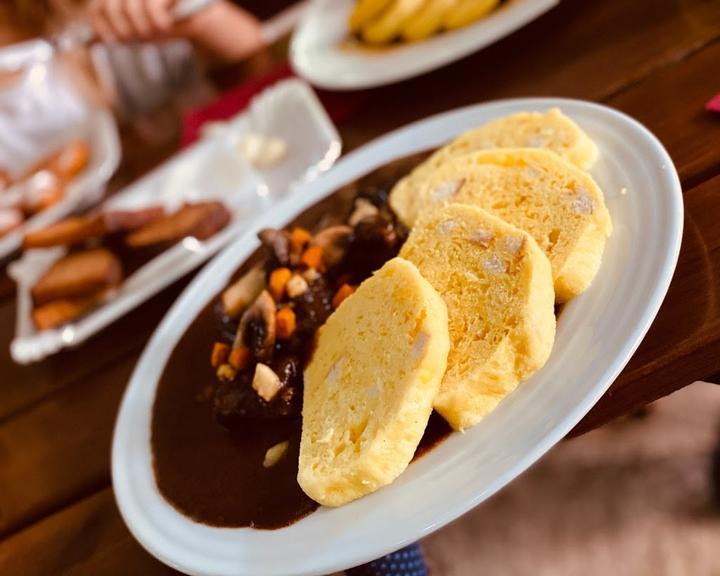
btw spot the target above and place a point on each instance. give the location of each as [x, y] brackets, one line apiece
[224, 30]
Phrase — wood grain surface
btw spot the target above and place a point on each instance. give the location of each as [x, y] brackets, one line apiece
[57, 514]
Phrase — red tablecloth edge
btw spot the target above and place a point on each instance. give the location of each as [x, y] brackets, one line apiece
[713, 105]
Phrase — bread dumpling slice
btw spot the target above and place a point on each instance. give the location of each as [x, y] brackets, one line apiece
[558, 204]
[551, 130]
[497, 285]
[370, 385]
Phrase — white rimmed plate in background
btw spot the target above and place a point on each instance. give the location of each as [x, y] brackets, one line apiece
[212, 169]
[98, 129]
[40, 112]
[597, 333]
[320, 53]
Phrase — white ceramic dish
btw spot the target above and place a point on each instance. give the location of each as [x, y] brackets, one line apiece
[597, 334]
[39, 113]
[98, 129]
[318, 54]
[96, 126]
[211, 169]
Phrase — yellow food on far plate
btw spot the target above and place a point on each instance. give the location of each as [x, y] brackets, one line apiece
[498, 288]
[468, 11]
[370, 385]
[428, 20]
[558, 204]
[365, 11]
[390, 22]
[383, 21]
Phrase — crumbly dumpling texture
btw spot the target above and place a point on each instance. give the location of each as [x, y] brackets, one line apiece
[498, 288]
[370, 385]
[558, 204]
[551, 130]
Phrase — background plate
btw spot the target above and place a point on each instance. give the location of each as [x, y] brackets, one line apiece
[597, 334]
[211, 169]
[318, 54]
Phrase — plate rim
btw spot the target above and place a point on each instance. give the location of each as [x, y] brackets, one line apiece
[629, 346]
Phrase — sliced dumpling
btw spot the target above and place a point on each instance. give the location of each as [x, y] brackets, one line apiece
[370, 385]
[558, 204]
[551, 130]
[498, 288]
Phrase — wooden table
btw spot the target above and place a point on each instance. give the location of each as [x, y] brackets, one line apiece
[657, 61]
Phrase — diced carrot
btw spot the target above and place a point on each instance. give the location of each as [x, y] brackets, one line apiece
[278, 279]
[313, 258]
[343, 292]
[285, 323]
[344, 279]
[299, 238]
[219, 354]
[240, 358]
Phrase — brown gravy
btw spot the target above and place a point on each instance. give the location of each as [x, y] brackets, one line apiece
[215, 475]
[207, 472]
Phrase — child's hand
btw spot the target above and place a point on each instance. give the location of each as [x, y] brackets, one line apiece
[128, 20]
[222, 29]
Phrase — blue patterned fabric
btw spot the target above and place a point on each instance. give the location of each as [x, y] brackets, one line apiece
[407, 561]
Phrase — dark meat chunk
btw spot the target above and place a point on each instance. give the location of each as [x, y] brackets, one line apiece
[277, 246]
[334, 242]
[374, 242]
[227, 327]
[314, 306]
[235, 401]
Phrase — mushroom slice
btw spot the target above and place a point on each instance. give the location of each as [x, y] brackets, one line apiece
[242, 292]
[278, 242]
[257, 327]
[334, 242]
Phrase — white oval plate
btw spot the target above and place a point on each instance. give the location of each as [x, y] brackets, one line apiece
[597, 334]
[318, 55]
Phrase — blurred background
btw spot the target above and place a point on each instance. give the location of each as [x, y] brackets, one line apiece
[639, 495]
